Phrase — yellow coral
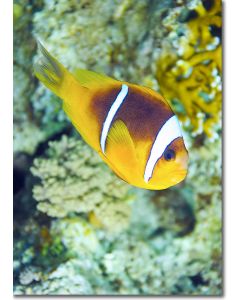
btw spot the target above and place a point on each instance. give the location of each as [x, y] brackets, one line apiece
[191, 73]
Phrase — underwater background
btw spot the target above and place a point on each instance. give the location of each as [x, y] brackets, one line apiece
[78, 228]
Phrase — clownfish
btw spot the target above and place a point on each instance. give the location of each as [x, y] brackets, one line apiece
[132, 128]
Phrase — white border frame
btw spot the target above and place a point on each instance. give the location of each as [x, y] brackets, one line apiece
[231, 153]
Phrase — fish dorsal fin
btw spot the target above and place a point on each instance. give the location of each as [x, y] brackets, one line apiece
[88, 78]
[152, 93]
[120, 147]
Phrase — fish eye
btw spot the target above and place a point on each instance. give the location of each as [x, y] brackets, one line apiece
[169, 154]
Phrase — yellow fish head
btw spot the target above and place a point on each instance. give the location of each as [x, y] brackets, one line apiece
[172, 167]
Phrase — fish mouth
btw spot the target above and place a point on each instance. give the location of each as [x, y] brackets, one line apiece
[182, 163]
[181, 171]
[176, 177]
[172, 179]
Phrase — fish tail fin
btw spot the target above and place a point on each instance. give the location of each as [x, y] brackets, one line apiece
[52, 73]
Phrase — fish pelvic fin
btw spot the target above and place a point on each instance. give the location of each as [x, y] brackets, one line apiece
[52, 73]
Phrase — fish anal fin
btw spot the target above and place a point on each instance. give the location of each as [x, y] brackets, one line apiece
[120, 147]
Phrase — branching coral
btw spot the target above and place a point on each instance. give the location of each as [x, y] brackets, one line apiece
[74, 179]
[189, 68]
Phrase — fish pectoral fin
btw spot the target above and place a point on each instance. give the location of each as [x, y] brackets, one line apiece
[120, 148]
[88, 78]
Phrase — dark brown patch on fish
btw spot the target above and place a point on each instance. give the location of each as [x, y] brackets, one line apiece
[102, 102]
[143, 114]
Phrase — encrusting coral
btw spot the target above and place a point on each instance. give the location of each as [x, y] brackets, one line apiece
[74, 179]
[190, 65]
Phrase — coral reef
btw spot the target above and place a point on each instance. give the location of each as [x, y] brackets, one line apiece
[26, 132]
[143, 259]
[184, 55]
[171, 246]
[35, 117]
[69, 31]
[75, 179]
[78, 229]
[190, 65]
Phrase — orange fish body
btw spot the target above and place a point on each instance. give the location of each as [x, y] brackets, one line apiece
[132, 128]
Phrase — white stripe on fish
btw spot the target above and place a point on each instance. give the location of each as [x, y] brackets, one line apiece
[112, 112]
[169, 132]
